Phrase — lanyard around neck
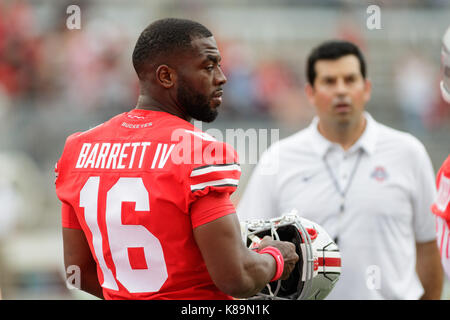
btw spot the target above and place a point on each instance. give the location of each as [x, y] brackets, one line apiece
[337, 185]
[333, 178]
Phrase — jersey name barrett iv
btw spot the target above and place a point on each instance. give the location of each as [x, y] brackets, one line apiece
[137, 185]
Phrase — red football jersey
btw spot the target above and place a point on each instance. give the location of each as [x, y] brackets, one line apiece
[137, 185]
[441, 206]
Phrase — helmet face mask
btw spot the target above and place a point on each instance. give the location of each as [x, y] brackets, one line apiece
[318, 268]
[285, 288]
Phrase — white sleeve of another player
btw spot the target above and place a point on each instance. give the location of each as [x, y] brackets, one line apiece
[443, 241]
[259, 199]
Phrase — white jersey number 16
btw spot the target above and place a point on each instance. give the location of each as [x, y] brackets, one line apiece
[121, 236]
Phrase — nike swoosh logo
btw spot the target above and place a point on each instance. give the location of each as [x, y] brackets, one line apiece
[306, 178]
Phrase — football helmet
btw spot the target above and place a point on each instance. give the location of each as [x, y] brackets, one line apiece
[319, 265]
[445, 54]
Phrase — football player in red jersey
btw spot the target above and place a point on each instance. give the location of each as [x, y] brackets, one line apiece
[441, 207]
[146, 212]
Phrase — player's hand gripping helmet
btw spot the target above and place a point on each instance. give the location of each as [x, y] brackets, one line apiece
[319, 265]
[445, 83]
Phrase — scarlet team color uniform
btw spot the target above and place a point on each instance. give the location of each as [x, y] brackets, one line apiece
[137, 185]
[441, 208]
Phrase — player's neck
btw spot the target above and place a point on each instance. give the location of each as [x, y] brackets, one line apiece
[346, 136]
[146, 102]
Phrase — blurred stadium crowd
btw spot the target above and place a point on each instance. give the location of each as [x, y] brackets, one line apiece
[55, 81]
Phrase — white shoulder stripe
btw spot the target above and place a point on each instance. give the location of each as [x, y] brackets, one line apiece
[329, 269]
[331, 254]
[218, 183]
[215, 168]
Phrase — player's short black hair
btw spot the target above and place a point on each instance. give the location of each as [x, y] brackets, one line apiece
[332, 50]
[164, 37]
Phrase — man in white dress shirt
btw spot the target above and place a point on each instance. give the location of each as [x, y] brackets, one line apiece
[368, 185]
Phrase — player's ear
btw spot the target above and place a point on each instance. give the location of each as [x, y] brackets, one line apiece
[165, 76]
[309, 90]
[367, 90]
